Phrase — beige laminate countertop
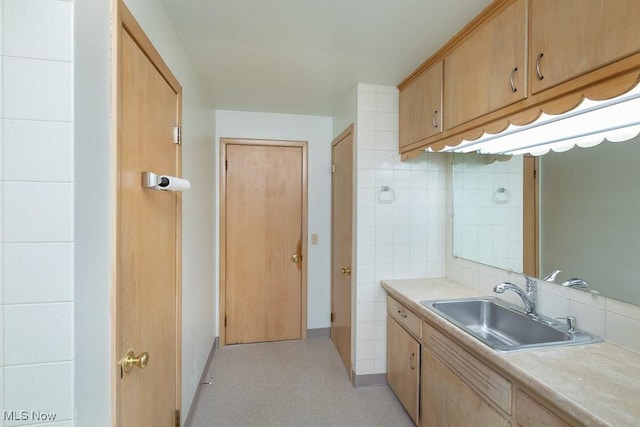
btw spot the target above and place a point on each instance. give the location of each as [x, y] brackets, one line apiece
[598, 384]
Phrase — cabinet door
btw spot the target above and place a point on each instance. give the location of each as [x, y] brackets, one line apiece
[577, 36]
[487, 71]
[421, 106]
[448, 401]
[403, 366]
[529, 413]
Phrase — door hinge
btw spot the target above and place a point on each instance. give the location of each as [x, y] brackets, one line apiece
[226, 164]
[333, 168]
[535, 173]
[177, 135]
[178, 420]
[333, 317]
[225, 321]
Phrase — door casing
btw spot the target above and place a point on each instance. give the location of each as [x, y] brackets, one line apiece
[223, 224]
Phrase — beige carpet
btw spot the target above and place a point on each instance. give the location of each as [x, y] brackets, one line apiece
[291, 383]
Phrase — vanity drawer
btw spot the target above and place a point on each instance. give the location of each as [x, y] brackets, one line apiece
[405, 317]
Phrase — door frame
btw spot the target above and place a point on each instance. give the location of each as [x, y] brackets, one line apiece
[126, 21]
[222, 303]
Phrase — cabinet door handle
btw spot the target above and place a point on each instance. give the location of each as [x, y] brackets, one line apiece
[538, 72]
[411, 361]
[402, 313]
[433, 119]
[511, 81]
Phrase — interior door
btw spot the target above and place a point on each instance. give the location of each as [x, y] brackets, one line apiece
[264, 254]
[147, 236]
[341, 244]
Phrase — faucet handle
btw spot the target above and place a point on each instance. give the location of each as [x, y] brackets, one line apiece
[531, 283]
[552, 276]
[571, 322]
[575, 282]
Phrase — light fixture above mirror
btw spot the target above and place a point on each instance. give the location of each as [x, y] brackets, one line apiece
[589, 124]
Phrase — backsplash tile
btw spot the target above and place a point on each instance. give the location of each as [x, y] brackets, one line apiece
[622, 330]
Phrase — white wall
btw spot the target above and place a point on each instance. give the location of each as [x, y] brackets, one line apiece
[400, 240]
[317, 130]
[37, 239]
[94, 171]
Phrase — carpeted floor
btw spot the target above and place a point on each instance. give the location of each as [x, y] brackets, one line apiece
[291, 383]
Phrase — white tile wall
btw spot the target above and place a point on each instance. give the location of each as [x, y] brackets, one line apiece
[403, 239]
[36, 215]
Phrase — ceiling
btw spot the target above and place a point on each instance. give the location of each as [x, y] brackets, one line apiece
[303, 56]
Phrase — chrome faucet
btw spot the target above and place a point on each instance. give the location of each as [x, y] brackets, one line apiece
[575, 283]
[529, 297]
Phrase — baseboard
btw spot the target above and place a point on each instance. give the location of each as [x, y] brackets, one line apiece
[194, 402]
[368, 380]
[318, 333]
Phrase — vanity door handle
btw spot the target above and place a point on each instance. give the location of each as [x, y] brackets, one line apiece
[411, 361]
[433, 119]
[538, 72]
[511, 79]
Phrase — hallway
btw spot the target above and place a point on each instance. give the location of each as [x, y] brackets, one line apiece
[290, 383]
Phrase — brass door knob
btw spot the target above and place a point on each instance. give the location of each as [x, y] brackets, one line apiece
[296, 258]
[130, 360]
[346, 270]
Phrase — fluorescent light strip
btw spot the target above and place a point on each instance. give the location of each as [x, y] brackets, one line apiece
[583, 126]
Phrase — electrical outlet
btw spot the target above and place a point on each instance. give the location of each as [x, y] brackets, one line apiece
[314, 238]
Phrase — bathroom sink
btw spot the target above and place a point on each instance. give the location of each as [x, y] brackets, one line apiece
[504, 326]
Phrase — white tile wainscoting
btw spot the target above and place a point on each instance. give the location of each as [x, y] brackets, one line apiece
[36, 284]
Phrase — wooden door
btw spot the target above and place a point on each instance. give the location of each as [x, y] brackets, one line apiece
[148, 234]
[487, 71]
[265, 207]
[577, 36]
[403, 367]
[421, 106]
[342, 245]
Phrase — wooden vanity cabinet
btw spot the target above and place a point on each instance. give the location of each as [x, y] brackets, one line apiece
[488, 70]
[403, 367]
[532, 414]
[572, 37]
[421, 106]
[403, 355]
[404, 330]
[458, 389]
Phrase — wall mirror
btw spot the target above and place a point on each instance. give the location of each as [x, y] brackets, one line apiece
[588, 212]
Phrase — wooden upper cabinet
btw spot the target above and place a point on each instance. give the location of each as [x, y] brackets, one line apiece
[572, 37]
[487, 71]
[421, 106]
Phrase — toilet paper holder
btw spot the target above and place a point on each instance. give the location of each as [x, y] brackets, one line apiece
[154, 181]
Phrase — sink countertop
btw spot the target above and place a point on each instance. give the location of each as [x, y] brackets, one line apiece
[598, 384]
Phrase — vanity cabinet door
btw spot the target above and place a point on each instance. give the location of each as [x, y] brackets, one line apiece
[572, 37]
[487, 71]
[421, 106]
[449, 401]
[529, 413]
[403, 366]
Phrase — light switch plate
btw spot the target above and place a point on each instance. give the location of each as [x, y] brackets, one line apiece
[314, 238]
